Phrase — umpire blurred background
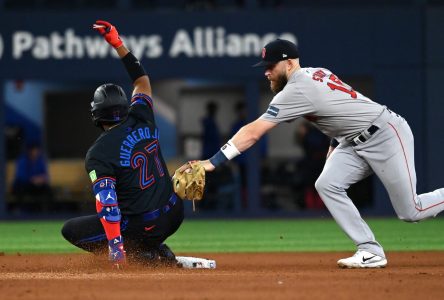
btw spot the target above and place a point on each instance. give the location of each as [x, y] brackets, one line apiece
[199, 55]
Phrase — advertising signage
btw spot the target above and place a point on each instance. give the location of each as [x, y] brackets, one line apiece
[194, 42]
[51, 46]
[205, 45]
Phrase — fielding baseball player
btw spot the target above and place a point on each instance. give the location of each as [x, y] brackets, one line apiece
[136, 206]
[366, 138]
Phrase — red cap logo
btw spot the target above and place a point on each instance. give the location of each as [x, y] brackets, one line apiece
[263, 52]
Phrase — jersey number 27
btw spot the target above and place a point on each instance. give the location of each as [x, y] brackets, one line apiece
[141, 160]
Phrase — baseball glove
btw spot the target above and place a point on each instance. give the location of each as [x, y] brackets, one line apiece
[190, 183]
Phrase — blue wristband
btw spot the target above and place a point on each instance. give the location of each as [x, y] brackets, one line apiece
[218, 159]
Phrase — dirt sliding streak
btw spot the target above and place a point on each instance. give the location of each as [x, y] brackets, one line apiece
[127, 145]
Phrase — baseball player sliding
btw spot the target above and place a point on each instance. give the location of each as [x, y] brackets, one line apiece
[366, 138]
[137, 209]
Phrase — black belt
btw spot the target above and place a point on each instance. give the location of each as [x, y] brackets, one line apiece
[364, 136]
[149, 216]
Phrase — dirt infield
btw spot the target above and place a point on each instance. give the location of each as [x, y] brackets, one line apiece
[410, 275]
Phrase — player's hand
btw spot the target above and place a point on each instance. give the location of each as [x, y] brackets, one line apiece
[109, 32]
[208, 166]
[117, 253]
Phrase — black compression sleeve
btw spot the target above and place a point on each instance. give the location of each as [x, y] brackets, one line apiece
[133, 66]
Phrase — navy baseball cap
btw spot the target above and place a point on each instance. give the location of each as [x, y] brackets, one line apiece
[276, 51]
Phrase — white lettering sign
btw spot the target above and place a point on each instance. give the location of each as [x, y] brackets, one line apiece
[71, 46]
[214, 42]
[202, 42]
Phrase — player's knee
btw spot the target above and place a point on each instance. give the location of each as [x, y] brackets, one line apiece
[322, 185]
[319, 185]
[67, 231]
[410, 218]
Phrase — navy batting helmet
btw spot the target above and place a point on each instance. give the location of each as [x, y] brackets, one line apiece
[110, 104]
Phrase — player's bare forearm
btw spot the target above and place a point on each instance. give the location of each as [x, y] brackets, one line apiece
[122, 51]
[249, 134]
[244, 139]
[142, 85]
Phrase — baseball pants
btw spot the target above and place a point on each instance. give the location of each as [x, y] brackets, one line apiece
[389, 154]
[138, 234]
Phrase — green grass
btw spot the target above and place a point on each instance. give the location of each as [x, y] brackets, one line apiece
[243, 236]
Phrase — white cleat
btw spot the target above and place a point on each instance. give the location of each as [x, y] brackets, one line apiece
[363, 259]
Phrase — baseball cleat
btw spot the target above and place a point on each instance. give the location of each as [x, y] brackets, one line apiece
[363, 259]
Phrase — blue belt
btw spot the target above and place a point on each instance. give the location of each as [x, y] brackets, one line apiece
[149, 216]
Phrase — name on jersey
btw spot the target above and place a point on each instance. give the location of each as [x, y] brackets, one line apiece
[128, 144]
[319, 75]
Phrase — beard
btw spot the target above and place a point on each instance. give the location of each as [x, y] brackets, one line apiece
[279, 84]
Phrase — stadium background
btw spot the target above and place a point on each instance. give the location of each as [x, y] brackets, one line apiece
[198, 51]
[201, 51]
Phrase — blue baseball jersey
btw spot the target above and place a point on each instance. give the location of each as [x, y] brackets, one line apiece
[130, 154]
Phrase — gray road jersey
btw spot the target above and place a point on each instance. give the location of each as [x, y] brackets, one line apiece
[331, 105]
